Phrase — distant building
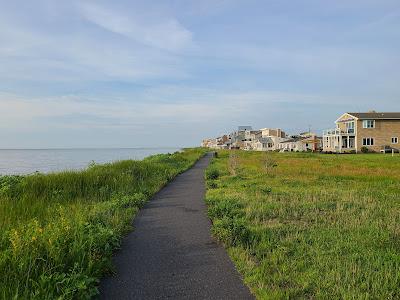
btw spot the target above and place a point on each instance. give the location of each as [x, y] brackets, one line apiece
[264, 144]
[273, 132]
[293, 144]
[244, 128]
[373, 130]
[275, 135]
[265, 139]
[306, 141]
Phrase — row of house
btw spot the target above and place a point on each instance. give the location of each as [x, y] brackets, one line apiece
[265, 139]
[354, 132]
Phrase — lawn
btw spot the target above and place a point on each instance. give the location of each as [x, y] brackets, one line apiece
[304, 225]
[58, 231]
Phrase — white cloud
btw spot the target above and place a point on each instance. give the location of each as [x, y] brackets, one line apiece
[163, 32]
[180, 105]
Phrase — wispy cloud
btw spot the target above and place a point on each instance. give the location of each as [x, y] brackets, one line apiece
[163, 32]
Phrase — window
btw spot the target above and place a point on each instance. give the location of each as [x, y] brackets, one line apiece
[350, 127]
[368, 141]
[395, 140]
[368, 124]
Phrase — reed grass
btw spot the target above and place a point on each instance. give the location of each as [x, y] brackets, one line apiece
[58, 231]
[313, 226]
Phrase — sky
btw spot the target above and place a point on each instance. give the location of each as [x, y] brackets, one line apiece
[168, 73]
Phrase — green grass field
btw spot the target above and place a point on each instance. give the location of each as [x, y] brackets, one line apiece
[58, 231]
[309, 226]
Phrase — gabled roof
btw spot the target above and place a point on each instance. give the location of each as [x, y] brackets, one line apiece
[295, 139]
[377, 115]
[265, 140]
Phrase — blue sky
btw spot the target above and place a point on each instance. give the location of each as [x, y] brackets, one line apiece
[124, 73]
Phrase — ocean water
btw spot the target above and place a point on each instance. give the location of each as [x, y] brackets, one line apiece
[28, 161]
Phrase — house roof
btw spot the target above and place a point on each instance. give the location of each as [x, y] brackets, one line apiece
[294, 140]
[265, 140]
[243, 128]
[377, 115]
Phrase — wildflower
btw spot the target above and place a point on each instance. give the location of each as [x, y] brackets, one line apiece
[34, 238]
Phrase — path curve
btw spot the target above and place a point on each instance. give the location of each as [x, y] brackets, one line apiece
[171, 254]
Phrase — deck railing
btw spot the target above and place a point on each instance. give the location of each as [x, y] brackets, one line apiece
[338, 131]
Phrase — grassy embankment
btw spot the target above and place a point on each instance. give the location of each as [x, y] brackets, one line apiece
[312, 226]
[58, 231]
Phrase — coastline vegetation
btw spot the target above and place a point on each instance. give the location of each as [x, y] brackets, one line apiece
[58, 231]
[304, 225]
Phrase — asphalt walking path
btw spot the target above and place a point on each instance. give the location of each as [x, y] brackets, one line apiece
[171, 254]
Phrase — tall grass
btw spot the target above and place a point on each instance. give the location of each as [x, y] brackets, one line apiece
[313, 226]
[58, 231]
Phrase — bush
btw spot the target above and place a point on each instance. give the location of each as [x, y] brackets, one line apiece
[364, 149]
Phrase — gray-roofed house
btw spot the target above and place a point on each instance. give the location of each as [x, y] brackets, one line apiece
[294, 144]
[264, 144]
[373, 130]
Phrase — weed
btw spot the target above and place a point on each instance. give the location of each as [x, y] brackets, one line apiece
[322, 227]
[58, 231]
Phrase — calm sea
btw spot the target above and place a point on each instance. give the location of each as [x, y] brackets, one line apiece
[53, 160]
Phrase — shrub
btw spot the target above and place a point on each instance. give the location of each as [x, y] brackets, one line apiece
[364, 149]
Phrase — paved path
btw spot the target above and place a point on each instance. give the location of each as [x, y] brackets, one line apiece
[170, 254]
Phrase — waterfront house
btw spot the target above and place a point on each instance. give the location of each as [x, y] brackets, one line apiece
[276, 135]
[293, 144]
[311, 141]
[263, 144]
[250, 138]
[373, 130]
[238, 137]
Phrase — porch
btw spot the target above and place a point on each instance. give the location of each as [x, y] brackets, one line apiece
[340, 141]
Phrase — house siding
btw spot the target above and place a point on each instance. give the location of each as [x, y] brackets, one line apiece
[340, 122]
[382, 133]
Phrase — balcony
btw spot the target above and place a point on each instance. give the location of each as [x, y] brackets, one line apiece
[338, 131]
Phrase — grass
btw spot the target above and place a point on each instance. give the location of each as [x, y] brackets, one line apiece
[58, 231]
[309, 226]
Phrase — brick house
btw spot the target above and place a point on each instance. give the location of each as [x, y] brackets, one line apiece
[373, 130]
